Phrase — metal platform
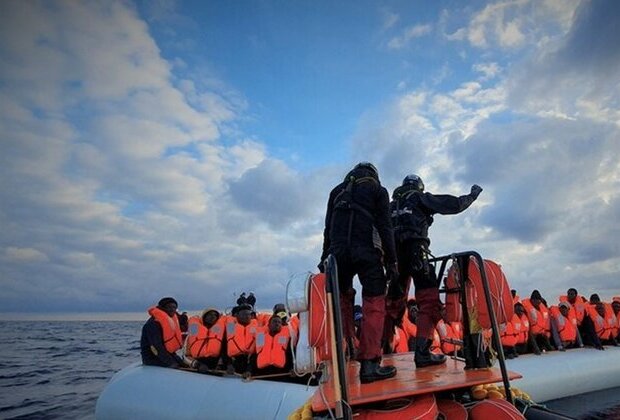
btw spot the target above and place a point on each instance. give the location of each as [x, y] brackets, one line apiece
[408, 381]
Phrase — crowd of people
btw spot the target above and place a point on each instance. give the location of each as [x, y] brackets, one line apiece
[385, 243]
[244, 341]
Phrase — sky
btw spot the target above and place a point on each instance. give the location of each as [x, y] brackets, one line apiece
[159, 148]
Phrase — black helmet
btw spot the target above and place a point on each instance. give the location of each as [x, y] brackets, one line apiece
[368, 166]
[414, 180]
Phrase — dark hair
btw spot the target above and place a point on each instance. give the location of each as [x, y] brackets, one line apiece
[164, 301]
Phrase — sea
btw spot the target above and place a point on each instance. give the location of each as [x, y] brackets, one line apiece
[55, 367]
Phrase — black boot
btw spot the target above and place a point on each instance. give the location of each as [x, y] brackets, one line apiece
[423, 356]
[371, 371]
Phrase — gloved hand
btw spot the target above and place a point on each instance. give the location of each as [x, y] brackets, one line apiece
[475, 191]
[391, 271]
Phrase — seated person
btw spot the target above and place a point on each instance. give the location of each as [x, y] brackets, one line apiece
[525, 341]
[273, 352]
[205, 338]
[539, 319]
[240, 340]
[602, 322]
[566, 326]
[161, 336]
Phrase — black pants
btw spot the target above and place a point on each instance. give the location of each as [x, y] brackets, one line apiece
[364, 261]
[412, 264]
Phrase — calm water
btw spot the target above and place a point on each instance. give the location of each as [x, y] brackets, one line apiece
[57, 369]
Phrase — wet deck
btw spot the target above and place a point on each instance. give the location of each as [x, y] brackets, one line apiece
[408, 381]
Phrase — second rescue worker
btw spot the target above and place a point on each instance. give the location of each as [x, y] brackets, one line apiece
[412, 215]
[358, 232]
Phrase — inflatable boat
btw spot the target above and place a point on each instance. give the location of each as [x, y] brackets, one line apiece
[148, 392]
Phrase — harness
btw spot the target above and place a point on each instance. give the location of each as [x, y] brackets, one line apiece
[345, 201]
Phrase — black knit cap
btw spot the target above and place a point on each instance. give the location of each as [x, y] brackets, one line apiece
[164, 301]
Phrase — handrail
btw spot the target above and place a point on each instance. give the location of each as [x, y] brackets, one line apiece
[343, 410]
[462, 259]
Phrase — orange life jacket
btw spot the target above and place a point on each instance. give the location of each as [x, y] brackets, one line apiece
[240, 339]
[577, 309]
[399, 342]
[262, 319]
[203, 341]
[436, 343]
[540, 322]
[598, 321]
[567, 327]
[446, 334]
[271, 350]
[507, 334]
[410, 328]
[170, 327]
[523, 327]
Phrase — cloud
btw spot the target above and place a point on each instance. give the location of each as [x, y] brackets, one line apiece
[512, 24]
[587, 59]
[407, 35]
[274, 193]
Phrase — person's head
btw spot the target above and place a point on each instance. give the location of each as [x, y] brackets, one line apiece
[415, 181]
[600, 309]
[616, 306]
[168, 305]
[279, 307]
[571, 294]
[244, 315]
[513, 293]
[564, 308]
[519, 309]
[210, 317]
[535, 298]
[594, 298]
[275, 325]
[366, 169]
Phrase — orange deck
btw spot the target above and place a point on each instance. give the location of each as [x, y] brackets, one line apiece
[407, 382]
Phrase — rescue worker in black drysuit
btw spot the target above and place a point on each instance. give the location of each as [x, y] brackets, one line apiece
[358, 232]
[412, 212]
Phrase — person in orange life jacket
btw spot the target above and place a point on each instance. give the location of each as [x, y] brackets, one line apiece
[515, 296]
[577, 303]
[540, 321]
[566, 327]
[358, 232]
[161, 336]
[240, 340]
[509, 335]
[273, 352]
[205, 339]
[412, 212]
[526, 342]
[605, 332]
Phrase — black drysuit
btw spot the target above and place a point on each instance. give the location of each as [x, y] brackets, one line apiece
[412, 214]
[358, 232]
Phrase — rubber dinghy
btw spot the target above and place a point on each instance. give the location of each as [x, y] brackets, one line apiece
[141, 392]
[447, 390]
